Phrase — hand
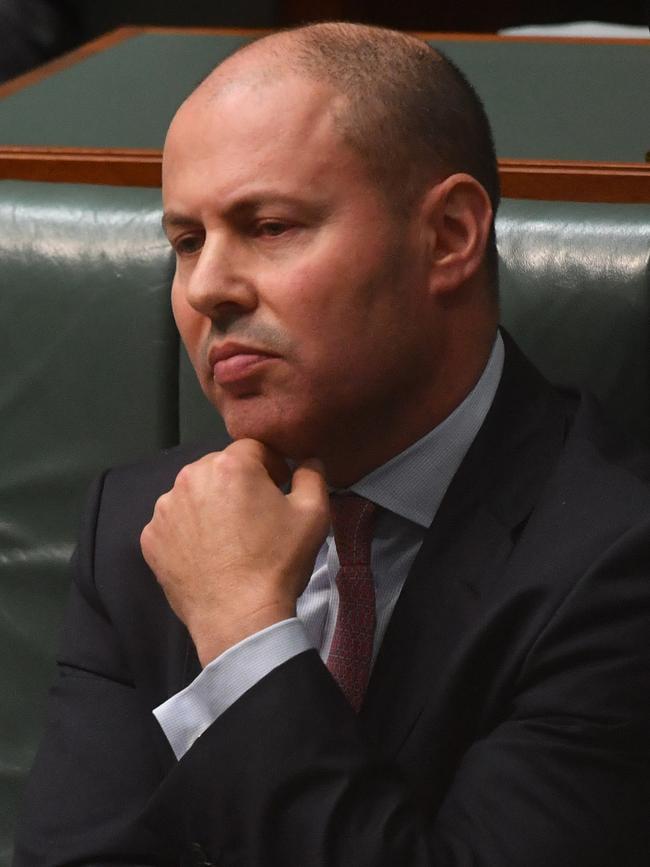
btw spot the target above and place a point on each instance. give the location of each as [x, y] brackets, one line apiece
[231, 552]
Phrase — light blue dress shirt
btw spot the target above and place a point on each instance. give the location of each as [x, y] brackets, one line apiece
[409, 489]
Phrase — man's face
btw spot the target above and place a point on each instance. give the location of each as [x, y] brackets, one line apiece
[300, 297]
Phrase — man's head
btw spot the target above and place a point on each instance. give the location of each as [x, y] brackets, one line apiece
[332, 285]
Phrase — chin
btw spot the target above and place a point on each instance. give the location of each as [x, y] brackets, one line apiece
[284, 432]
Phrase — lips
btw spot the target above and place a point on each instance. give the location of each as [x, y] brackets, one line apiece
[233, 362]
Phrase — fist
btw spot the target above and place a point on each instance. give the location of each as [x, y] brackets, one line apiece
[230, 550]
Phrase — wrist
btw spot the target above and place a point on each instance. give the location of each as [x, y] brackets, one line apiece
[211, 640]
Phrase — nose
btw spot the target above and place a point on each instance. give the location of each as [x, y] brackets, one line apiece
[220, 285]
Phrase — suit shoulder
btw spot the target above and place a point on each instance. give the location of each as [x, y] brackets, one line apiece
[600, 487]
[132, 489]
[608, 456]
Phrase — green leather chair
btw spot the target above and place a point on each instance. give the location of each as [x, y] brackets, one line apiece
[93, 375]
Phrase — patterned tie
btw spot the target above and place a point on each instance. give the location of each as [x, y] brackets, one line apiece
[351, 651]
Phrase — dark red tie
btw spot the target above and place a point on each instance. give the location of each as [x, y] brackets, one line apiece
[350, 655]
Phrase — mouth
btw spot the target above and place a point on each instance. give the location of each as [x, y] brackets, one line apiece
[232, 362]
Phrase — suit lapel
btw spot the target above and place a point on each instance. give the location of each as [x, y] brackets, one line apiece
[468, 544]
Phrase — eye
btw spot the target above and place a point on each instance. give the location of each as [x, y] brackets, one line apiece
[186, 245]
[272, 228]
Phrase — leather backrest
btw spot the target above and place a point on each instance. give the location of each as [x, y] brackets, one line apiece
[575, 293]
[92, 375]
[88, 361]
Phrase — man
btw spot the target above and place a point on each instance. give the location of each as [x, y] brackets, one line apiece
[461, 675]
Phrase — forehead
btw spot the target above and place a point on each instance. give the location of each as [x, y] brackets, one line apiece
[255, 122]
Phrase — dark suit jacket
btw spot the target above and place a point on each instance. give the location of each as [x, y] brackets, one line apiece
[507, 720]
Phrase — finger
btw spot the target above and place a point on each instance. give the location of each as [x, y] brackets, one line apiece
[273, 463]
[308, 483]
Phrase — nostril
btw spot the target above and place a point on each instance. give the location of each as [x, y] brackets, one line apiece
[226, 315]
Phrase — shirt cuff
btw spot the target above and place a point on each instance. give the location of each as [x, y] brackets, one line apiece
[185, 716]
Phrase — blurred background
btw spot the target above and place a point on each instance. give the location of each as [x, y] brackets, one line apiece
[34, 31]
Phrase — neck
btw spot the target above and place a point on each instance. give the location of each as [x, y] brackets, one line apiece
[368, 444]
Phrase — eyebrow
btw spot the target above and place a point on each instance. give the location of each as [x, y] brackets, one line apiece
[172, 219]
[249, 204]
[257, 201]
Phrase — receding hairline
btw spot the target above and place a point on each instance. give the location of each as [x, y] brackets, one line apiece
[294, 53]
[275, 51]
[368, 66]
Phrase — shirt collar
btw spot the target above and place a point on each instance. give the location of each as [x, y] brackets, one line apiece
[413, 483]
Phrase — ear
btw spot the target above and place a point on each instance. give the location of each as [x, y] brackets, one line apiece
[457, 216]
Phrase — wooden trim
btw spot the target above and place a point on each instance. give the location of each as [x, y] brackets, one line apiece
[575, 181]
[520, 179]
[127, 168]
[76, 56]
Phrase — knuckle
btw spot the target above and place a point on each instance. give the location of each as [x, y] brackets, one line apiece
[207, 461]
[243, 445]
[217, 458]
[145, 539]
[245, 451]
[221, 462]
[182, 477]
[160, 507]
[229, 462]
[316, 512]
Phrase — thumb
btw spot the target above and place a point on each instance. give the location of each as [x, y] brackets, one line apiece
[308, 486]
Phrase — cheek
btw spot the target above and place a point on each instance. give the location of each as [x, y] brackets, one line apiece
[327, 292]
[188, 321]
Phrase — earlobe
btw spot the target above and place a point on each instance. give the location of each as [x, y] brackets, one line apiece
[458, 217]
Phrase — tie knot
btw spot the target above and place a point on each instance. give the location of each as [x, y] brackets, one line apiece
[353, 519]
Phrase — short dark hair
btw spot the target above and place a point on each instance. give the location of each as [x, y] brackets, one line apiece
[410, 111]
